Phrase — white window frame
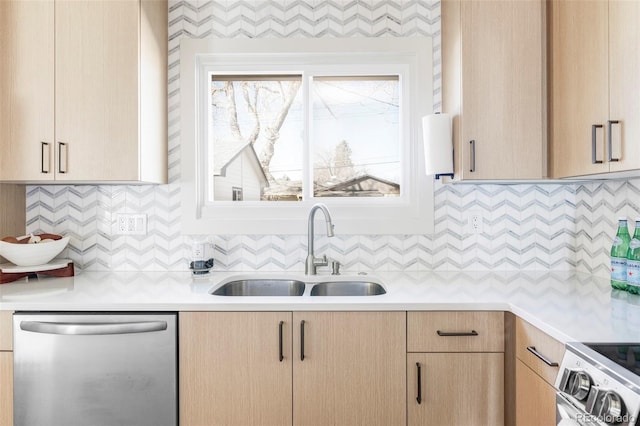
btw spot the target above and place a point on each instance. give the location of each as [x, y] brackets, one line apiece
[411, 58]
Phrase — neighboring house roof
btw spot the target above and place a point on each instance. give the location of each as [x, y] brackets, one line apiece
[226, 151]
[347, 184]
[359, 186]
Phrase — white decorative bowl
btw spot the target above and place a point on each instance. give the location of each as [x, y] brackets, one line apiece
[32, 254]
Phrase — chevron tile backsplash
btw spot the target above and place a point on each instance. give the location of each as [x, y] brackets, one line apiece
[525, 226]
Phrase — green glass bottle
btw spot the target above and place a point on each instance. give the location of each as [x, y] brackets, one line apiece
[633, 262]
[619, 255]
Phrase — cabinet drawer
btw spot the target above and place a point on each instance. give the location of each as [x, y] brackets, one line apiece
[6, 330]
[455, 331]
[537, 350]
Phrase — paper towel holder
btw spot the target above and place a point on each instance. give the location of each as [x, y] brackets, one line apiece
[438, 145]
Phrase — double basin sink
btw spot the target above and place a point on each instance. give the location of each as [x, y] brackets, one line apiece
[294, 287]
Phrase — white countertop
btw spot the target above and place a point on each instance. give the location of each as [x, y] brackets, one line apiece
[566, 305]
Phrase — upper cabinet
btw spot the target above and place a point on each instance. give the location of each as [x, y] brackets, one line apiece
[27, 88]
[594, 102]
[493, 55]
[84, 87]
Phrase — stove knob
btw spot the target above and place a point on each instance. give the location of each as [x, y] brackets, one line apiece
[579, 385]
[612, 409]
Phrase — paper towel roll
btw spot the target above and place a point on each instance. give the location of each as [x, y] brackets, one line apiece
[438, 144]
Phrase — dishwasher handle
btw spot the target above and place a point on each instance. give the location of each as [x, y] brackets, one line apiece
[67, 328]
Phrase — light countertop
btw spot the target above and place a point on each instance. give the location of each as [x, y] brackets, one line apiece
[566, 305]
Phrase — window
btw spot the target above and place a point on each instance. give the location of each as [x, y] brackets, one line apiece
[356, 136]
[236, 194]
[275, 126]
[257, 125]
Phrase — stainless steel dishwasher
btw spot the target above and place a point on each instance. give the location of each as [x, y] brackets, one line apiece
[95, 369]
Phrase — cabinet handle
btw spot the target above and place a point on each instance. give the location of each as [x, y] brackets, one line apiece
[60, 145]
[419, 369]
[457, 333]
[472, 154]
[42, 162]
[594, 159]
[609, 141]
[302, 340]
[280, 340]
[543, 358]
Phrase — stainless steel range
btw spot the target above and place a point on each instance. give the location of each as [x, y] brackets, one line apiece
[598, 385]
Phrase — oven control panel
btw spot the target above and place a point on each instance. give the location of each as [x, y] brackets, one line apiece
[600, 397]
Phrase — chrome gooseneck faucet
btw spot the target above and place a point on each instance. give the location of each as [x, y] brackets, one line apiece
[313, 262]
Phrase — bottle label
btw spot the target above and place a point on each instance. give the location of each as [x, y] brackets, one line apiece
[617, 241]
[618, 269]
[634, 244]
[633, 272]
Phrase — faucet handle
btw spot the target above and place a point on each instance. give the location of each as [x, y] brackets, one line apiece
[321, 261]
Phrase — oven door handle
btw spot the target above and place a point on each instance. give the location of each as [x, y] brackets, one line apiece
[66, 328]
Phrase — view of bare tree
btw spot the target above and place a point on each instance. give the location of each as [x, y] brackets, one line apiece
[258, 98]
[258, 138]
[334, 166]
[273, 130]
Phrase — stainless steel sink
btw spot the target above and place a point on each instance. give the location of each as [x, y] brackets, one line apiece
[347, 288]
[261, 287]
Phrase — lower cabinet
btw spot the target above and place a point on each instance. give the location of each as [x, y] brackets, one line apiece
[353, 368]
[231, 372]
[536, 367]
[455, 368]
[455, 389]
[535, 398]
[6, 388]
[303, 368]
[6, 368]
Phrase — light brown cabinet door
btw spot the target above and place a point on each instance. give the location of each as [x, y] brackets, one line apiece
[353, 372]
[456, 389]
[535, 398]
[530, 338]
[502, 90]
[624, 83]
[6, 388]
[97, 93]
[230, 368]
[579, 87]
[27, 88]
[6, 330]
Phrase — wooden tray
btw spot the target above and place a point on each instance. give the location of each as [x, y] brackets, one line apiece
[56, 268]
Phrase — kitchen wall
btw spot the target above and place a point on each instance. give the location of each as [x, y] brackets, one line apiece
[530, 226]
[598, 206]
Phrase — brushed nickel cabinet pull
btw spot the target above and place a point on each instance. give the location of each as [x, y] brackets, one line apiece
[543, 358]
[594, 157]
[472, 153]
[609, 141]
[302, 340]
[60, 146]
[280, 349]
[419, 397]
[44, 146]
[457, 333]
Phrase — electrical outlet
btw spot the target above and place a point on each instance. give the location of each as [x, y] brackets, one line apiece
[475, 223]
[131, 224]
